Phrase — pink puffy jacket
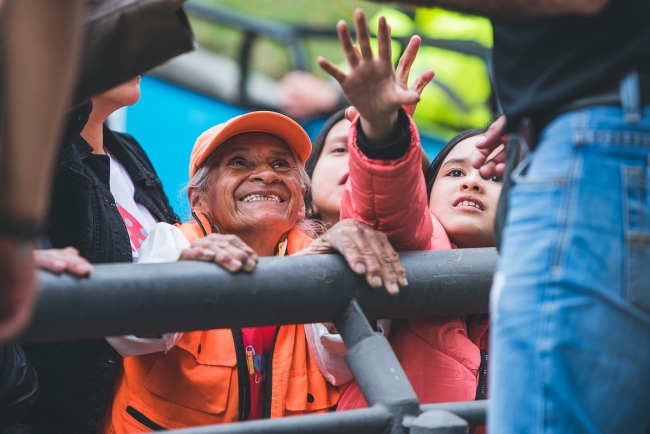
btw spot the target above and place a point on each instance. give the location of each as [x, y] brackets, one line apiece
[441, 355]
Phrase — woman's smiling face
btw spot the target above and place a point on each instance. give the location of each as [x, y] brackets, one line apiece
[254, 184]
[330, 173]
[464, 202]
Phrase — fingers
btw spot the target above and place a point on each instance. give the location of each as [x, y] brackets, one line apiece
[421, 82]
[406, 96]
[346, 43]
[492, 138]
[332, 69]
[62, 260]
[229, 251]
[368, 252]
[383, 39]
[351, 113]
[406, 61]
[363, 34]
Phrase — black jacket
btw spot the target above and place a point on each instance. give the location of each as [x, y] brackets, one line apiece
[76, 377]
[18, 385]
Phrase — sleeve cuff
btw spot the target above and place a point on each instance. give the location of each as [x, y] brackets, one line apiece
[393, 150]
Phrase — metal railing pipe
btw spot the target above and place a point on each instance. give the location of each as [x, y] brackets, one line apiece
[372, 420]
[474, 412]
[123, 299]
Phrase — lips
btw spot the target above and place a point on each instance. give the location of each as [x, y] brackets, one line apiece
[469, 201]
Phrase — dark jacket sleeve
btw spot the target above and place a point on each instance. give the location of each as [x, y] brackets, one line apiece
[18, 385]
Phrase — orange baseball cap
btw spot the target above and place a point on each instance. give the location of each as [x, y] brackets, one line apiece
[255, 122]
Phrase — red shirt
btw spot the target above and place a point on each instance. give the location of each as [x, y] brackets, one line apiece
[258, 344]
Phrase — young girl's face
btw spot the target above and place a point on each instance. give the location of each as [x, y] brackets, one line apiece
[463, 202]
[330, 173]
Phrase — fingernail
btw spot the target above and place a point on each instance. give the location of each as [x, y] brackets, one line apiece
[403, 281]
[359, 268]
[375, 281]
[207, 254]
[235, 264]
[392, 288]
[250, 265]
[82, 268]
[58, 264]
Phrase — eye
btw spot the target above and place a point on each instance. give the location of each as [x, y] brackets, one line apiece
[455, 173]
[237, 161]
[340, 150]
[279, 164]
[496, 179]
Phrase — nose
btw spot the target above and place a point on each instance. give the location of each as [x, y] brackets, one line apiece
[472, 182]
[264, 173]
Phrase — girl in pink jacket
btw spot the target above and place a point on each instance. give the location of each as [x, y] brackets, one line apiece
[444, 357]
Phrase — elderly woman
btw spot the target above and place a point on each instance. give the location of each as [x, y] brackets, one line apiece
[246, 192]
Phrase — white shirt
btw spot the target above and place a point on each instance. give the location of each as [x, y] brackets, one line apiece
[137, 218]
[139, 222]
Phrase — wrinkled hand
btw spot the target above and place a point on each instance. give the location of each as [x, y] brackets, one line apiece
[366, 250]
[370, 86]
[482, 159]
[229, 251]
[305, 95]
[60, 260]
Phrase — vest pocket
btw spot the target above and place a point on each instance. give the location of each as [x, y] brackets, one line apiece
[186, 380]
[143, 420]
[307, 391]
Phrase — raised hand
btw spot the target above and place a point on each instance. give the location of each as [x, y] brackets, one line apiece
[401, 76]
[370, 85]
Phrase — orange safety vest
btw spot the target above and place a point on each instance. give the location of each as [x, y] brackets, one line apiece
[197, 382]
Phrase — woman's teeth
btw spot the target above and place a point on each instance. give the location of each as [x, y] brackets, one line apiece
[469, 203]
[258, 198]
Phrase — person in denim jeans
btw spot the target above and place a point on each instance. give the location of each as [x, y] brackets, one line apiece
[570, 329]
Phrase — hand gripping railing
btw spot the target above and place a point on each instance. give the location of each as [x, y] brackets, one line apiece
[146, 299]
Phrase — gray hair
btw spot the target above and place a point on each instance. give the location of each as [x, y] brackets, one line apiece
[201, 179]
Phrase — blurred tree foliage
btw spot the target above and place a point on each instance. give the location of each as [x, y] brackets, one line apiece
[269, 56]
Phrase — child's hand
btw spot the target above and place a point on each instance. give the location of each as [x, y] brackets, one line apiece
[370, 85]
[401, 76]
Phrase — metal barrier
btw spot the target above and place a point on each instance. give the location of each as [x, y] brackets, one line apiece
[143, 299]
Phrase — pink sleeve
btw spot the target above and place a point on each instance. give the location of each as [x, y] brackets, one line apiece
[390, 195]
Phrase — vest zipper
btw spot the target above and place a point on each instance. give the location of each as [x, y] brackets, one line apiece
[268, 389]
[144, 420]
[242, 375]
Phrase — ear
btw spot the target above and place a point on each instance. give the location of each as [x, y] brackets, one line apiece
[196, 199]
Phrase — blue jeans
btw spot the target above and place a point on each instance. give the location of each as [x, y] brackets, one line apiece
[570, 329]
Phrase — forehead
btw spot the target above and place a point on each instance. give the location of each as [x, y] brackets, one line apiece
[254, 143]
[341, 128]
[464, 149]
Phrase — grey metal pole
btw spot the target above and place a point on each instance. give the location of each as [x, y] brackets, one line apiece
[123, 299]
[376, 368]
[374, 420]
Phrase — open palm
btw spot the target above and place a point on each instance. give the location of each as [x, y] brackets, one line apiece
[370, 85]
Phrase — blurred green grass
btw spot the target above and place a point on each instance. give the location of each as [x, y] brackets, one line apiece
[269, 56]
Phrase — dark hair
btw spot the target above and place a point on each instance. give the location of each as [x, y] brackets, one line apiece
[432, 172]
[316, 151]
